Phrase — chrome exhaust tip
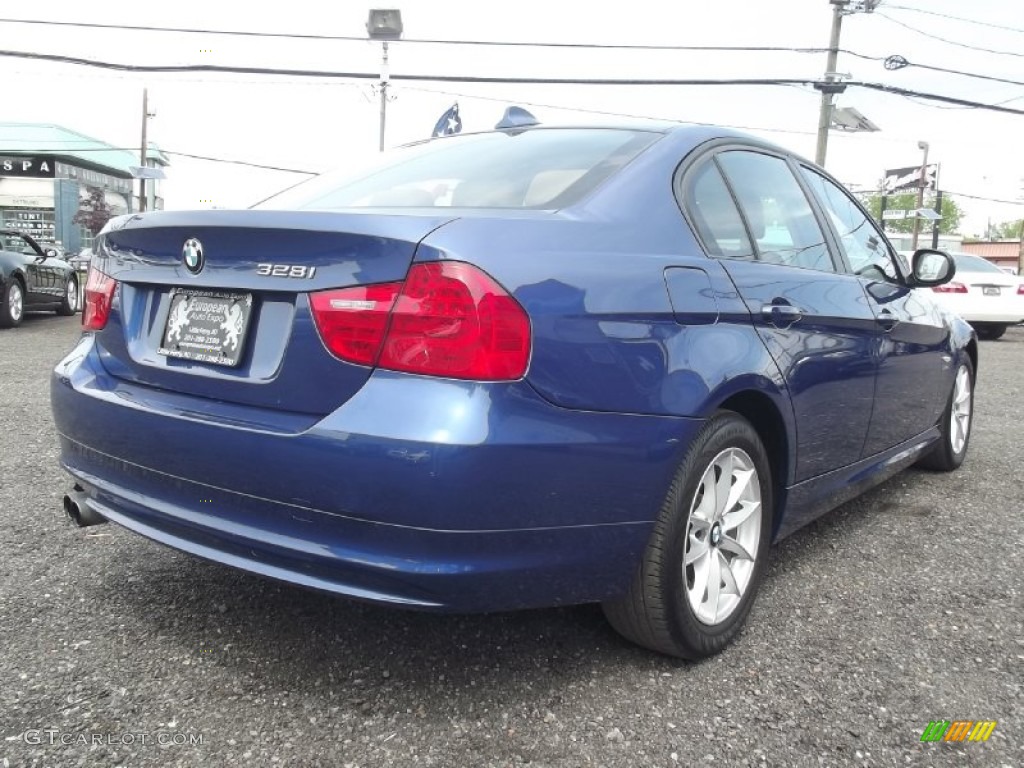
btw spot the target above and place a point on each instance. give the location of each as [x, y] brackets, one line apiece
[79, 510]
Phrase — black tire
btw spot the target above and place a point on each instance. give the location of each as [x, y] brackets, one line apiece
[991, 332]
[944, 457]
[67, 307]
[9, 317]
[656, 612]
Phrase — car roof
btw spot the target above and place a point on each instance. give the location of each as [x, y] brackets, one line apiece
[680, 131]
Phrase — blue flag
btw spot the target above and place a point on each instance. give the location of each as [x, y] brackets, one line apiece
[449, 123]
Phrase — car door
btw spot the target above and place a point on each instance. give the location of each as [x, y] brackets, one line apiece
[915, 369]
[750, 209]
[51, 265]
[36, 277]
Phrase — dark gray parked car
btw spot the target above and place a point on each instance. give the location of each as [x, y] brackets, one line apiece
[31, 280]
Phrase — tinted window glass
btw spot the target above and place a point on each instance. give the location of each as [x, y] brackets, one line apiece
[715, 215]
[779, 215]
[541, 168]
[865, 248]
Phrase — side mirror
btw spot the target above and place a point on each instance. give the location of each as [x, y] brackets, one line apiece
[50, 252]
[929, 268]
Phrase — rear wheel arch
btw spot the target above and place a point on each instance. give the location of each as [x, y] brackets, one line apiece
[767, 420]
[972, 352]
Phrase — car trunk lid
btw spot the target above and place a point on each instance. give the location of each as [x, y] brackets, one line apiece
[246, 334]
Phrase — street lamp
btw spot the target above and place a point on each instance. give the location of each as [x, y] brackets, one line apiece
[384, 24]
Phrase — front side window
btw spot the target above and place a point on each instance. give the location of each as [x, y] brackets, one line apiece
[778, 213]
[539, 168]
[865, 247]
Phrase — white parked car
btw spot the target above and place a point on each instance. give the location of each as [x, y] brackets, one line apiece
[984, 295]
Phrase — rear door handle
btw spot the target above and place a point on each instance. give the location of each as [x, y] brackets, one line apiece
[887, 320]
[781, 315]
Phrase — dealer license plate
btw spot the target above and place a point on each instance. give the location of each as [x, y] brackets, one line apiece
[207, 326]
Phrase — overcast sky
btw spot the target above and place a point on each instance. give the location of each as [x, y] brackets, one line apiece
[317, 125]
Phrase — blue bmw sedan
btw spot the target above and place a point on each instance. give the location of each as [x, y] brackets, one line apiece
[512, 369]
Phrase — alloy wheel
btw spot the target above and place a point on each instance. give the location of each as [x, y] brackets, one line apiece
[960, 412]
[15, 301]
[722, 537]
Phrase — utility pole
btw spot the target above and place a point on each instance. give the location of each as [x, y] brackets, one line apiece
[1020, 247]
[921, 184]
[830, 84]
[142, 150]
[829, 87]
[936, 225]
[1020, 250]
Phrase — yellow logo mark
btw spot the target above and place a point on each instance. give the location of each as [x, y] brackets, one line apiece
[958, 730]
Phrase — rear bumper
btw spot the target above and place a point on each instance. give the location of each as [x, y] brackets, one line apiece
[1007, 318]
[1007, 309]
[431, 494]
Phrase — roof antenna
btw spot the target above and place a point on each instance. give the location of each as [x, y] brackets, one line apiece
[516, 117]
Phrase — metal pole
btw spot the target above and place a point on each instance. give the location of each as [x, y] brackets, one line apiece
[142, 150]
[825, 115]
[383, 94]
[881, 211]
[1020, 250]
[920, 194]
[935, 224]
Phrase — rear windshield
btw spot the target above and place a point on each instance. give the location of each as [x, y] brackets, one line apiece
[540, 168]
[965, 262]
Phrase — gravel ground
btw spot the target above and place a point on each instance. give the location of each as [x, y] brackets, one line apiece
[902, 607]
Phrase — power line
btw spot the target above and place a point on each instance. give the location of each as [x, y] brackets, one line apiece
[58, 151]
[594, 46]
[439, 41]
[603, 112]
[935, 97]
[896, 63]
[375, 76]
[954, 18]
[240, 162]
[986, 199]
[947, 192]
[946, 39]
[753, 81]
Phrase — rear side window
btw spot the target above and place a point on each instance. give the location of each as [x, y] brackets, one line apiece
[538, 168]
[777, 211]
[714, 214]
[969, 263]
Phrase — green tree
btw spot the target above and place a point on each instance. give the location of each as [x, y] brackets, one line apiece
[94, 212]
[951, 212]
[1007, 230]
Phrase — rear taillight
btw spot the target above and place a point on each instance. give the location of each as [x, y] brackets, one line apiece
[950, 288]
[1020, 289]
[453, 320]
[99, 293]
[352, 321]
[447, 319]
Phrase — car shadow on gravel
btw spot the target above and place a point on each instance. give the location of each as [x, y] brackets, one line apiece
[291, 634]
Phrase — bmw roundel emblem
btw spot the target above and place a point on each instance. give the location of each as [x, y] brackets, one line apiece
[192, 255]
